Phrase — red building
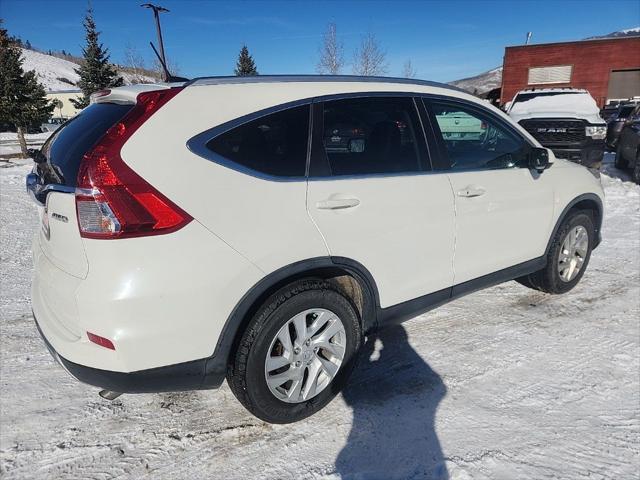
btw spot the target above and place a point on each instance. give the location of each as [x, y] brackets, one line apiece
[608, 68]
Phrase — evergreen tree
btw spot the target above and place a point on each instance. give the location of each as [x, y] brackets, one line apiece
[23, 100]
[96, 73]
[245, 66]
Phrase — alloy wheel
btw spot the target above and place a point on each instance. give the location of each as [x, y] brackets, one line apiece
[573, 253]
[305, 355]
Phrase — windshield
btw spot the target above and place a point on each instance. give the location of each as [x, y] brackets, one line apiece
[625, 111]
[523, 97]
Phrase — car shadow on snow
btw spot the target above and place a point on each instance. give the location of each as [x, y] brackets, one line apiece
[394, 395]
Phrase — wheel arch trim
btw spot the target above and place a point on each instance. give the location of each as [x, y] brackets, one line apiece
[258, 293]
[585, 197]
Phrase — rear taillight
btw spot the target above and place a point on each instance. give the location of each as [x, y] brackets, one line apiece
[112, 201]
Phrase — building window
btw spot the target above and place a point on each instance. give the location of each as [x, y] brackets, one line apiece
[545, 75]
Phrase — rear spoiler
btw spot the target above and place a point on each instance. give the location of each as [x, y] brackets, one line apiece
[128, 95]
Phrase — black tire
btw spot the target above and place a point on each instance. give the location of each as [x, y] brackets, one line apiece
[619, 162]
[246, 370]
[548, 279]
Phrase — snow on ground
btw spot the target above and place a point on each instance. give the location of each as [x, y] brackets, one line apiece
[506, 383]
[9, 145]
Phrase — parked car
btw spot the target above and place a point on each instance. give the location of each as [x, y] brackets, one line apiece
[617, 121]
[567, 120]
[182, 245]
[628, 146]
[609, 110]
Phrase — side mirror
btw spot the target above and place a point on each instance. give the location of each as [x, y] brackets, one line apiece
[539, 159]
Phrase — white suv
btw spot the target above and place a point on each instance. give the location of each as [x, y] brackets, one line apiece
[259, 228]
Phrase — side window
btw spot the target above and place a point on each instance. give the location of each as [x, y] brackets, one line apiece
[372, 135]
[476, 140]
[275, 144]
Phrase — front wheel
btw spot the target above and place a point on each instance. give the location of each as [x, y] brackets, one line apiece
[568, 256]
[297, 352]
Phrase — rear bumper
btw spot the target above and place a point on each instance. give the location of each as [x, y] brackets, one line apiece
[205, 373]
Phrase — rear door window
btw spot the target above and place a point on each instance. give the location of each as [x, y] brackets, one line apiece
[275, 144]
[68, 144]
[372, 135]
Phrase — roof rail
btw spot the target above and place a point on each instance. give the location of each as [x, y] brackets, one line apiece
[223, 80]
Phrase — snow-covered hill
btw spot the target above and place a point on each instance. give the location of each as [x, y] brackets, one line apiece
[59, 74]
[482, 83]
[628, 32]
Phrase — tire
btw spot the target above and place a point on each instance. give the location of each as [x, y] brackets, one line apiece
[550, 279]
[619, 162]
[247, 371]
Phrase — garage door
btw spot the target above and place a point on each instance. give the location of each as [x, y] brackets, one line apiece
[624, 84]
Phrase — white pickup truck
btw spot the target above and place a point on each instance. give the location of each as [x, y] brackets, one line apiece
[566, 120]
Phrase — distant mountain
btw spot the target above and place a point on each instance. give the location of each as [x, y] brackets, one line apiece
[629, 32]
[59, 74]
[480, 83]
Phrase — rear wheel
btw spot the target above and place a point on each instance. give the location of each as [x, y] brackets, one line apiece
[567, 258]
[297, 352]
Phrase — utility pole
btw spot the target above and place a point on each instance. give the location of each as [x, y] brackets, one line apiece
[156, 11]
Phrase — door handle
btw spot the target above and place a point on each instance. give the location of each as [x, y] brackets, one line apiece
[337, 203]
[471, 191]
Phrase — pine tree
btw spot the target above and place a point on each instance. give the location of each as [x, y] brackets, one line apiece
[23, 100]
[96, 73]
[245, 66]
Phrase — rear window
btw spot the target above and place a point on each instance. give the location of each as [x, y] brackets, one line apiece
[65, 148]
[275, 144]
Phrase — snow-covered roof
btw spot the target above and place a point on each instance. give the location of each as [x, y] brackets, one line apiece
[577, 102]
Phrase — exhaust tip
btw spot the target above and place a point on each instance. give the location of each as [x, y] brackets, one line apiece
[108, 394]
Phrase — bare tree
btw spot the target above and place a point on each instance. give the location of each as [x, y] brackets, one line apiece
[135, 62]
[369, 59]
[407, 70]
[331, 53]
[174, 68]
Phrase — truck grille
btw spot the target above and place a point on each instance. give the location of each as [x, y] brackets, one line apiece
[552, 131]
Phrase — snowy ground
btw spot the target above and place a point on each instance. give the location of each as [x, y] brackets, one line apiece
[503, 384]
[10, 147]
